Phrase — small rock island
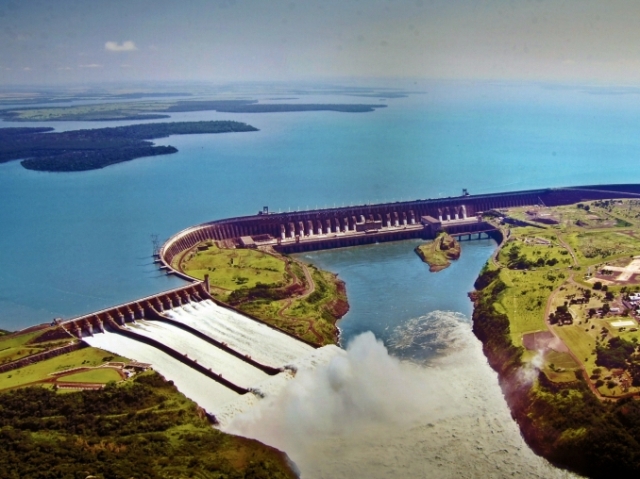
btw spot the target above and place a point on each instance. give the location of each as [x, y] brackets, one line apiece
[439, 253]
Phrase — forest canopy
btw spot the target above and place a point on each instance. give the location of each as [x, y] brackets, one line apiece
[79, 150]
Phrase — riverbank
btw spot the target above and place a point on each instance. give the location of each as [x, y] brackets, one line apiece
[550, 331]
[291, 295]
[142, 427]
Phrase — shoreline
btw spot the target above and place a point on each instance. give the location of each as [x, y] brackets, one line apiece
[562, 421]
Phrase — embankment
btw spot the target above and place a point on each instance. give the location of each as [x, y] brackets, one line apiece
[563, 422]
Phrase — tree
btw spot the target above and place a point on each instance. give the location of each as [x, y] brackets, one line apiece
[597, 285]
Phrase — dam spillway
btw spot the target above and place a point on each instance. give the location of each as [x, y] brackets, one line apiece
[221, 359]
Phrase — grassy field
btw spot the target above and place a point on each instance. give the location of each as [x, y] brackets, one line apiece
[16, 346]
[231, 269]
[594, 247]
[541, 249]
[41, 370]
[560, 367]
[99, 375]
[525, 299]
[271, 287]
[537, 267]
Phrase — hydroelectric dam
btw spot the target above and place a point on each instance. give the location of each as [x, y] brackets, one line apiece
[225, 360]
[310, 230]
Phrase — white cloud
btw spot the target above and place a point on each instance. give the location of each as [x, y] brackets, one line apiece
[91, 65]
[27, 69]
[120, 47]
[65, 68]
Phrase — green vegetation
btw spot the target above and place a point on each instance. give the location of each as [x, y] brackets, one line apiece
[14, 347]
[552, 279]
[81, 150]
[40, 371]
[142, 428]
[153, 110]
[98, 375]
[439, 252]
[33, 341]
[295, 297]
[230, 269]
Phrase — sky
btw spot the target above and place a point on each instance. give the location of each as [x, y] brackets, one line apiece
[80, 41]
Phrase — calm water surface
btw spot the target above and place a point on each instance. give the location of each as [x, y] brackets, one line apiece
[388, 284]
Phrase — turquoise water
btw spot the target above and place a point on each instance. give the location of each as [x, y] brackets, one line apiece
[76, 242]
[388, 285]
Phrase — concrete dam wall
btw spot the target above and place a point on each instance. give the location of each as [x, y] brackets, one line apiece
[354, 225]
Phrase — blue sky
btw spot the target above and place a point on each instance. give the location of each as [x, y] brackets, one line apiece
[83, 41]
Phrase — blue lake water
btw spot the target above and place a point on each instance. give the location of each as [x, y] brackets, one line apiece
[388, 284]
[72, 243]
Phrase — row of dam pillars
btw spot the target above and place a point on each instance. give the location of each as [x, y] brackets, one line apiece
[305, 224]
[458, 212]
[344, 224]
[311, 224]
[129, 313]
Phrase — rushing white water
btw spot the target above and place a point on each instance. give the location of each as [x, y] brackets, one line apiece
[211, 357]
[367, 414]
[264, 344]
[209, 394]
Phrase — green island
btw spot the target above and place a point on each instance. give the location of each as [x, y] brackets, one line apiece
[556, 311]
[439, 253]
[295, 297]
[80, 150]
[88, 413]
[138, 110]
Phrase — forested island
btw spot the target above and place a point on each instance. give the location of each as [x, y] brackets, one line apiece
[42, 149]
[154, 110]
[439, 253]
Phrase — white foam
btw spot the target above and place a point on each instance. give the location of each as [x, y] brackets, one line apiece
[274, 385]
[367, 414]
[209, 394]
[264, 344]
[211, 357]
